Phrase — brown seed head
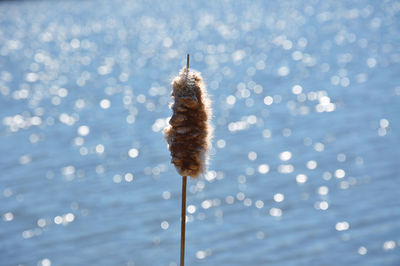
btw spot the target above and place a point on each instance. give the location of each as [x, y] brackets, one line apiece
[189, 133]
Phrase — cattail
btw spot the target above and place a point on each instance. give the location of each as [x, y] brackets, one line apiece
[189, 132]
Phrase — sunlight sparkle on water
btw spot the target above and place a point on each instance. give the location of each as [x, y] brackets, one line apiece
[278, 197]
[340, 173]
[285, 156]
[275, 212]
[323, 190]
[389, 245]
[297, 89]
[83, 130]
[259, 204]
[311, 165]
[252, 156]
[8, 217]
[105, 104]
[342, 226]
[301, 178]
[263, 168]
[133, 153]
[362, 250]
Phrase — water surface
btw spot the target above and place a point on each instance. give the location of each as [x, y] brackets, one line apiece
[304, 167]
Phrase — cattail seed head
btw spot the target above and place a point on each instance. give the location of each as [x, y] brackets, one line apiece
[189, 133]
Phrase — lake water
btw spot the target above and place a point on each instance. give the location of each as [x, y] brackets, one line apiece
[304, 168]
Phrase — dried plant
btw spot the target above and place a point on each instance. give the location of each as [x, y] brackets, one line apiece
[189, 132]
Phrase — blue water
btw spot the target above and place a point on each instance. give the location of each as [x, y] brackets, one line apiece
[304, 168]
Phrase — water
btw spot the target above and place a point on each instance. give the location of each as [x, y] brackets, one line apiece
[304, 168]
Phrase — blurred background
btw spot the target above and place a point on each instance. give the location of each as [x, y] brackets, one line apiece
[305, 162]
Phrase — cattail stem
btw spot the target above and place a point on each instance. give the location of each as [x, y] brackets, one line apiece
[187, 66]
[184, 181]
[183, 220]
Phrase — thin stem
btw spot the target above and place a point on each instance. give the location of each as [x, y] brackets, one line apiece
[187, 66]
[183, 207]
[183, 220]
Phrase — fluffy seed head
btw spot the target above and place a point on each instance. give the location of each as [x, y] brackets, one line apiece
[189, 133]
